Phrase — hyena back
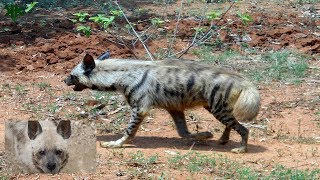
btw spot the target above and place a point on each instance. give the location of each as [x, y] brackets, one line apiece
[174, 85]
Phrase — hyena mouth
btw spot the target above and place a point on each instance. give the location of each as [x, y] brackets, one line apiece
[73, 80]
[79, 87]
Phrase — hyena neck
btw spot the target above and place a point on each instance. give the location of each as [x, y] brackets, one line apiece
[117, 75]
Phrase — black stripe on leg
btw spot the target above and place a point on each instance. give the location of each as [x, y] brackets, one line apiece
[218, 104]
[243, 131]
[222, 104]
[223, 113]
[228, 121]
[137, 86]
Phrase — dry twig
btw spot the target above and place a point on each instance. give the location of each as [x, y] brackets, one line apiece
[123, 43]
[175, 30]
[136, 34]
[207, 33]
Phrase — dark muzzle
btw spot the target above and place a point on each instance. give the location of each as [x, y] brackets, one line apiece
[72, 80]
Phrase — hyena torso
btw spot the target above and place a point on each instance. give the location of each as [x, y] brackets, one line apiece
[37, 146]
[174, 85]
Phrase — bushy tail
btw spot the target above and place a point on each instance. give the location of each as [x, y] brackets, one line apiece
[247, 106]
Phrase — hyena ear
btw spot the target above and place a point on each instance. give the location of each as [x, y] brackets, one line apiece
[34, 129]
[104, 56]
[88, 63]
[64, 129]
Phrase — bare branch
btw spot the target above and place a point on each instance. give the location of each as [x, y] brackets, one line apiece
[123, 43]
[208, 32]
[142, 34]
[175, 30]
[203, 38]
[145, 47]
[248, 125]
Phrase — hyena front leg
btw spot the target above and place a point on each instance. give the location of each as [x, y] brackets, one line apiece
[180, 122]
[225, 136]
[137, 117]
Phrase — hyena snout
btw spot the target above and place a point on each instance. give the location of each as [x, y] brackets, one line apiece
[51, 166]
[68, 81]
[72, 80]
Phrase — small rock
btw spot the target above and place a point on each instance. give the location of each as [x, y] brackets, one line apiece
[246, 38]
[30, 67]
[91, 103]
[140, 27]
[171, 152]
[263, 140]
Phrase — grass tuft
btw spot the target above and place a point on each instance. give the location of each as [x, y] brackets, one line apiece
[284, 66]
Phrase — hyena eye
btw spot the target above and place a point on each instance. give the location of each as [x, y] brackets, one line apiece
[42, 153]
[58, 152]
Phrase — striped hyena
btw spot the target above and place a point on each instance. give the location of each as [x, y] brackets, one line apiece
[37, 146]
[173, 85]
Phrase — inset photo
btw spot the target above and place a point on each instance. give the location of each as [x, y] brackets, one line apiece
[50, 146]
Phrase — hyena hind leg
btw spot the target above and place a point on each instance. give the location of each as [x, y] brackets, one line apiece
[133, 126]
[244, 132]
[180, 122]
[231, 123]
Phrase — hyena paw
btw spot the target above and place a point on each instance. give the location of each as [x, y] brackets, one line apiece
[202, 135]
[223, 141]
[239, 150]
[110, 144]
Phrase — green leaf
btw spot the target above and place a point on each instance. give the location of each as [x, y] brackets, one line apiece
[108, 21]
[116, 12]
[245, 18]
[84, 29]
[102, 19]
[13, 11]
[30, 6]
[213, 15]
[81, 16]
[200, 30]
[73, 20]
[98, 18]
[156, 21]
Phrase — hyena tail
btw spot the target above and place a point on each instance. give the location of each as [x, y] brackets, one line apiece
[247, 106]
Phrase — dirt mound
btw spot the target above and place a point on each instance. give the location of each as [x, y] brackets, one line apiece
[61, 52]
[51, 43]
[265, 32]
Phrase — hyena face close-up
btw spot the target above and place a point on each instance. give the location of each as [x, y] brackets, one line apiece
[174, 85]
[38, 146]
[50, 153]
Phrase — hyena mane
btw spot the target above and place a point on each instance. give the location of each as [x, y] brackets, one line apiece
[174, 85]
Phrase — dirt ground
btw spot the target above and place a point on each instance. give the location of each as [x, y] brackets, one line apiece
[37, 56]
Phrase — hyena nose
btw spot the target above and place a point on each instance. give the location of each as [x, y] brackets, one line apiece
[51, 166]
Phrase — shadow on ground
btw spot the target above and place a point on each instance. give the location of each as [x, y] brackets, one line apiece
[179, 143]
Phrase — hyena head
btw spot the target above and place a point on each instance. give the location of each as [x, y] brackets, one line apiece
[49, 141]
[79, 76]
